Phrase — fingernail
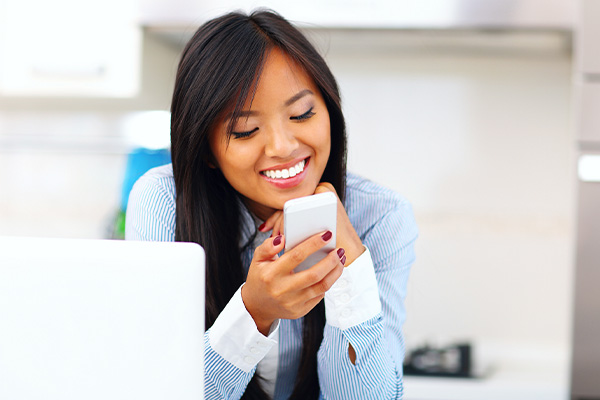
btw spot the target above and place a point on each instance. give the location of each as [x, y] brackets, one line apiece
[277, 240]
[343, 260]
[340, 252]
[262, 226]
[326, 236]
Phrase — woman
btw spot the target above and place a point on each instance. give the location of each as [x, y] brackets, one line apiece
[256, 120]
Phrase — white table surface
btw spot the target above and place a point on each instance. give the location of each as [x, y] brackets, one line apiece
[514, 381]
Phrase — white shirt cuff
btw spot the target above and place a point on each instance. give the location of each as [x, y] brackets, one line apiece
[354, 297]
[235, 337]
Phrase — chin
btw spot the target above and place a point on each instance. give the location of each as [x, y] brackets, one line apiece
[281, 201]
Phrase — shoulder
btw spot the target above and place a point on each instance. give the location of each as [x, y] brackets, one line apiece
[159, 175]
[151, 207]
[364, 196]
[368, 203]
[157, 183]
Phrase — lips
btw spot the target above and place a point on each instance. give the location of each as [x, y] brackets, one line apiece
[285, 173]
[287, 176]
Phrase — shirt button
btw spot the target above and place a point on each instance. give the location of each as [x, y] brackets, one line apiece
[261, 344]
[342, 283]
[253, 350]
[344, 298]
[346, 313]
[249, 360]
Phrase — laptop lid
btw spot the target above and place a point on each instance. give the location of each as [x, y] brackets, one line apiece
[101, 319]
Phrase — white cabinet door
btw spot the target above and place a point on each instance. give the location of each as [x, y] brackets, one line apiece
[69, 48]
[588, 117]
[588, 37]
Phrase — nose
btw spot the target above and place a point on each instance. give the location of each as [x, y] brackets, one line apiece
[281, 142]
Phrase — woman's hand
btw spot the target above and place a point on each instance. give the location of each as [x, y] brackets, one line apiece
[272, 290]
[347, 238]
[274, 223]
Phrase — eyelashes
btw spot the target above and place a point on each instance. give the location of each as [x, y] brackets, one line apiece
[241, 135]
[308, 114]
[304, 116]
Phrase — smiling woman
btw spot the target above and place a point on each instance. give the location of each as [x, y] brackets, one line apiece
[256, 121]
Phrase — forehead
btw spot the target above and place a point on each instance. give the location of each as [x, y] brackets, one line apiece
[280, 79]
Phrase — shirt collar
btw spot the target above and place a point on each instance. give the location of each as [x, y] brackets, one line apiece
[249, 233]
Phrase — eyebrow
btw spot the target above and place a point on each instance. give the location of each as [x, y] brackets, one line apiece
[298, 96]
[287, 103]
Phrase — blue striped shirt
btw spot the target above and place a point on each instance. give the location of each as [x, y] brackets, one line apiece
[385, 223]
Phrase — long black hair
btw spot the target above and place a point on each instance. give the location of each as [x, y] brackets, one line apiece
[219, 68]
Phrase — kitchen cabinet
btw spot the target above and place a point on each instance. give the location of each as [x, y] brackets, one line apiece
[588, 104]
[69, 48]
[543, 14]
[588, 37]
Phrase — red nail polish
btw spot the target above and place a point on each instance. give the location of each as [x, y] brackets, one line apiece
[262, 226]
[277, 240]
[326, 236]
[343, 260]
[340, 252]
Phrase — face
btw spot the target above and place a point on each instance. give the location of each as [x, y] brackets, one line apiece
[280, 144]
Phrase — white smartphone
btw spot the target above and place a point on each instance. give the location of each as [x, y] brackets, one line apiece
[307, 216]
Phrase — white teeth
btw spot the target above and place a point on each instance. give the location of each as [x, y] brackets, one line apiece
[285, 173]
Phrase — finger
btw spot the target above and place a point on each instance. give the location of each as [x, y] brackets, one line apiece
[278, 226]
[269, 249]
[319, 288]
[323, 274]
[303, 307]
[270, 222]
[292, 258]
[312, 303]
[325, 187]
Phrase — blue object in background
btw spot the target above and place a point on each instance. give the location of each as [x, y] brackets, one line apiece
[139, 161]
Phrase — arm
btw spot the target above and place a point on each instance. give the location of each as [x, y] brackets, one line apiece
[377, 341]
[230, 359]
[233, 346]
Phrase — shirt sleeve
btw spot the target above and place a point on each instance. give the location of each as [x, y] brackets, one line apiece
[233, 350]
[353, 298]
[376, 337]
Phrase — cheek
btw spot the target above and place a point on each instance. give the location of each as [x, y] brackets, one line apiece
[326, 141]
[236, 159]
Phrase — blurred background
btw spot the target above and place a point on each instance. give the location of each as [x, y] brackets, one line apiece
[467, 108]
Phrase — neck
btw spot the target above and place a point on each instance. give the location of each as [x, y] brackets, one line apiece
[260, 210]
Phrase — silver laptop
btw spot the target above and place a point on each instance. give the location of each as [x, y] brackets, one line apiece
[100, 319]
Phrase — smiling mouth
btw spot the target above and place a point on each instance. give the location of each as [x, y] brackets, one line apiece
[286, 173]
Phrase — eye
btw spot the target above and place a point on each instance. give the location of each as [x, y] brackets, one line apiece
[241, 135]
[304, 116]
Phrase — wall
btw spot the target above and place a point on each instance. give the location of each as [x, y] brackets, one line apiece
[474, 131]
[62, 160]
